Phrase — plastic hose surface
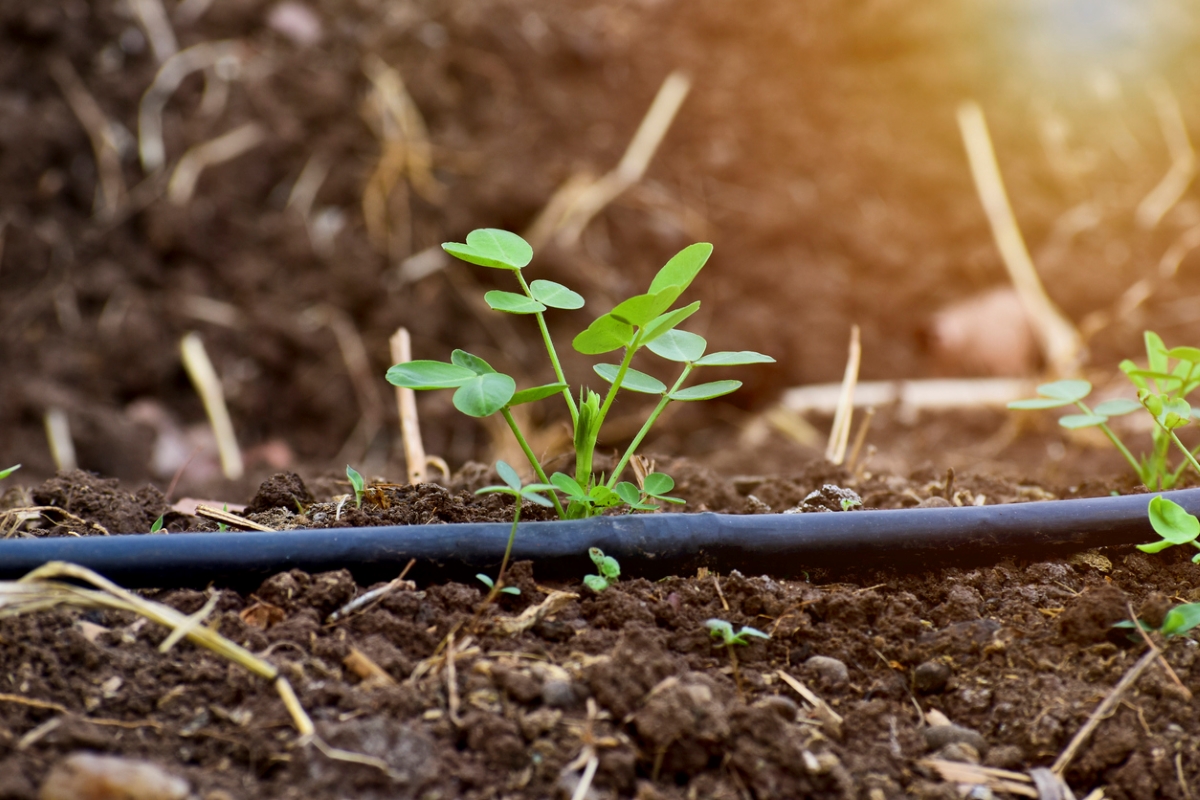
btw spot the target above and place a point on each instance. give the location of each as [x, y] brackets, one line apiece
[647, 545]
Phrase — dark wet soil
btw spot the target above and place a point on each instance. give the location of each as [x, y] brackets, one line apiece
[1015, 655]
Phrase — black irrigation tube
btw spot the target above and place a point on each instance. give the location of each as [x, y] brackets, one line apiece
[648, 545]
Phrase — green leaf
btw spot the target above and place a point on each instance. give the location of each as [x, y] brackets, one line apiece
[555, 295]
[512, 303]
[1191, 354]
[719, 629]
[610, 570]
[1077, 421]
[706, 391]
[683, 267]
[1156, 351]
[485, 580]
[629, 493]
[1181, 619]
[1155, 547]
[641, 309]
[605, 334]
[657, 483]
[1172, 522]
[1037, 403]
[596, 583]
[1117, 406]
[603, 496]
[428, 375]
[677, 345]
[474, 363]
[567, 485]
[734, 358]
[4, 473]
[484, 395]
[748, 631]
[534, 393]
[510, 590]
[665, 322]
[1069, 391]
[492, 247]
[596, 555]
[530, 493]
[158, 523]
[356, 480]
[634, 381]
[508, 475]
[1164, 377]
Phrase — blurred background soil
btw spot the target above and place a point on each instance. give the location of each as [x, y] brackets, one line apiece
[818, 150]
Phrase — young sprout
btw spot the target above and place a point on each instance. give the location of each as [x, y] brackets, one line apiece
[720, 629]
[607, 566]
[4, 473]
[158, 524]
[357, 483]
[513, 488]
[491, 584]
[644, 322]
[1179, 620]
[848, 503]
[1173, 524]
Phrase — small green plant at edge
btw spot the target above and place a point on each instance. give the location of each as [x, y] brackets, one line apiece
[1173, 524]
[607, 566]
[513, 488]
[158, 524]
[356, 483]
[1162, 388]
[4, 473]
[720, 629]
[1178, 621]
[643, 322]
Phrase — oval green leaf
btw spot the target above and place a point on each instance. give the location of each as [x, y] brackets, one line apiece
[643, 308]
[665, 322]
[1181, 619]
[734, 358]
[682, 269]
[629, 493]
[1191, 354]
[1068, 391]
[604, 335]
[1076, 421]
[1172, 522]
[534, 497]
[512, 303]
[1117, 406]
[677, 345]
[706, 391]
[492, 247]
[508, 475]
[555, 295]
[567, 485]
[535, 393]
[634, 381]
[484, 395]
[428, 375]
[658, 483]
[472, 362]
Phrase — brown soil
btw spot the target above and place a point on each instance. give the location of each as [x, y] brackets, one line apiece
[1015, 655]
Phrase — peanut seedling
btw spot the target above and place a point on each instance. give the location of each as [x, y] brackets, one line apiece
[513, 488]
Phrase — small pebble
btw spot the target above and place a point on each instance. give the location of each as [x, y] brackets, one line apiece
[931, 677]
[938, 736]
[829, 670]
[97, 777]
[959, 751]
[784, 707]
[557, 693]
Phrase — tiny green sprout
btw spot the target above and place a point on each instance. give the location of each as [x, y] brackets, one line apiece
[1173, 524]
[357, 483]
[722, 630]
[4, 473]
[158, 524]
[491, 584]
[221, 526]
[848, 503]
[1162, 386]
[643, 323]
[1178, 621]
[607, 566]
[513, 488]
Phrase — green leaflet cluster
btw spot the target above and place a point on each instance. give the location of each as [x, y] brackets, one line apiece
[646, 321]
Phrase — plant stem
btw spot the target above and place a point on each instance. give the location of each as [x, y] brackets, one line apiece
[1187, 453]
[620, 377]
[499, 584]
[558, 371]
[641, 434]
[1112, 437]
[533, 462]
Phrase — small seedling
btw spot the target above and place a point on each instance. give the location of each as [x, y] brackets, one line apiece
[357, 483]
[4, 473]
[1173, 524]
[221, 526]
[1179, 620]
[642, 322]
[158, 524]
[720, 629]
[1161, 387]
[491, 584]
[513, 488]
[848, 503]
[607, 566]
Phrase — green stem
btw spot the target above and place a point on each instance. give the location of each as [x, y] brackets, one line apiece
[558, 371]
[641, 434]
[618, 380]
[499, 584]
[533, 461]
[1112, 437]
[1187, 453]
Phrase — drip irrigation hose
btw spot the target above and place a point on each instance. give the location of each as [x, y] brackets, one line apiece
[647, 545]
